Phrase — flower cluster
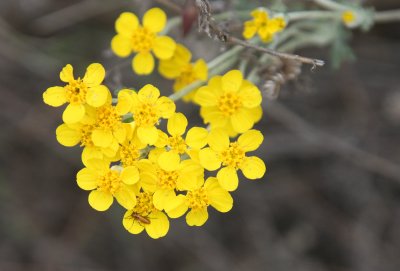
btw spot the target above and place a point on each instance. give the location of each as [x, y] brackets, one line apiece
[155, 173]
[263, 25]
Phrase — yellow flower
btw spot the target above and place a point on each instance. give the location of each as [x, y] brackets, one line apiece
[179, 68]
[200, 195]
[106, 183]
[230, 101]
[78, 92]
[163, 183]
[145, 217]
[147, 108]
[264, 26]
[196, 139]
[232, 156]
[351, 19]
[142, 39]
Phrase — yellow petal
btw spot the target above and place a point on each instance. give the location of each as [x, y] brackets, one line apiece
[126, 23]
[73, 113]
[100, 200]
[218, 139]
[220, 199]
[197, 217]
[143, 63]
[250, 30]
[200, 69]
[205, 97]
[250, 140]
[253, 168]
[121, 45]
[232, 80]
[126, 197]
[209, 159]
[176, 207]
[120, 133]
[177, 124]
[154, 20]
[147, 135]
[159, 225]
[250, 95]
[256, 113]
[102, 138]
[161, 197]
[131, 224]
[124, 102]
[214, 116]
[55, 96]
[165, 107]
[87, 179]
[98, 165]
[97, 95]
[228, 179]
[169, 161]
[242, 120]
[94, 75]
[67, 74]
[164, 47]
[130, 175]
[196, 137]
[67, 136]
[89, 153]
[148, 94]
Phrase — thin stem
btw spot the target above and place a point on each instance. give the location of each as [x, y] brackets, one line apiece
[228, 54]
[329, 4]
[312, 15]
[387, 16]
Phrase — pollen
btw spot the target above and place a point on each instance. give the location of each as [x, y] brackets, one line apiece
[229, 103]
[107, 117]
[232, 156]
[110, 182]
[187, 76]
[197, 199]
[177, 143]
[129, 154]
[167, 179]
[76, 91]
[142, 40]
[145, 115]
[144, 205]
[86, 136]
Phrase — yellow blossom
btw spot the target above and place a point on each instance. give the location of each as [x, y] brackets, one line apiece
[350, 18]
[264, 26]
[200, 195]
[182, 71]
[144, 216]
[232, 157]
[78, 92]
[142, 39]
[106, 183]
[147, 108]
[230, 101]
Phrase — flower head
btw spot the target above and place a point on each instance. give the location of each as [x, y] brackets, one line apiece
[142, 39]
[232, 157]
[144, 216]
[263, 25]
[78, 92]
[106, 183]
[230, 102]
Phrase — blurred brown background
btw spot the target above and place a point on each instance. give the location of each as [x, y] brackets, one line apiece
[329, 201]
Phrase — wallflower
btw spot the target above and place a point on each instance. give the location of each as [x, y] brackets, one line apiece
[230, 101]
[106, 183]
[142, 39]
[264, 26]
[179, 68]
[177, 145]
[78, 92]
[145, 217]
[232, 157]
[199, 196]
[147, 108]
[163, 183]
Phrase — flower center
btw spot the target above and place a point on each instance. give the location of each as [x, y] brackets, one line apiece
[232, 156]
[186, 77]
[145, 115]
[76, 91]
[109, 182]
[167, 179]
[142, 40]
[197, 199]
[229, 103]
[144, 204]
[107, 117]
[86, 136]
[177, 143]
[129, 154]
